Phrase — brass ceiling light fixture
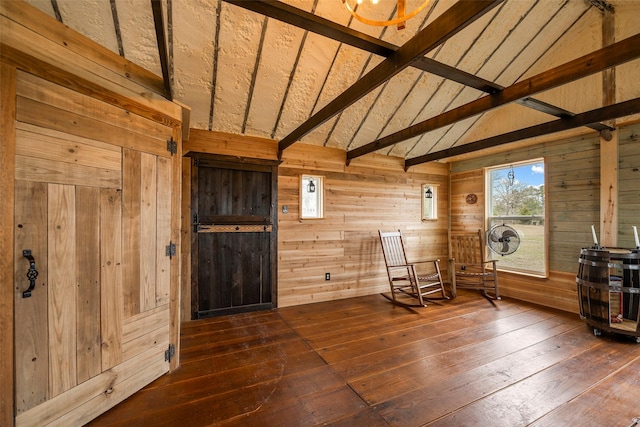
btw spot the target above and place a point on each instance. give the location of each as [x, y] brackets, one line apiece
[400, 20]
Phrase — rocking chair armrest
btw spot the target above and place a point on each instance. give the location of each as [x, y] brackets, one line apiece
[422, 261]
[493, 261]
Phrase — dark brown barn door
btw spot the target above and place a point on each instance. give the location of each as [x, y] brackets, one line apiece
[234, 236]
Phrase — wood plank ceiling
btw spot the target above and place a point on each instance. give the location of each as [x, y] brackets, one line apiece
[305, 70]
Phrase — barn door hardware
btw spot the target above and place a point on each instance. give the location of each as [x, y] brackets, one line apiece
[170, 250]
[196, 223]
[172, 146]
[32, 273]
[169, 353]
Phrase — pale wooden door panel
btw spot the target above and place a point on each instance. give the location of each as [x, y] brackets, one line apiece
[62, 147]
[89, 355]
[163, 262]
[148, 229]
[147, 135]
[126, 378]
[147, 214]
[134, 346]
[51, 117]
[111, 276]
[31, 337]
[131, 178]
[46, 155]
[140, 332]
[97, 216]
[34, 169]
[49, 106]
[91, 398]
[146, 204]
[62, 306]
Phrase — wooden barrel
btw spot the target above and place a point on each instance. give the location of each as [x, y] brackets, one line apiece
[630, 282]
[593, 284]
[609, 289]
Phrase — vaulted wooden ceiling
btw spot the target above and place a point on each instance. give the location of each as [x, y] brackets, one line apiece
[305, 70]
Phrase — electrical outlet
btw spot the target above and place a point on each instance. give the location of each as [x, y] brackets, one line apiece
[327, 276]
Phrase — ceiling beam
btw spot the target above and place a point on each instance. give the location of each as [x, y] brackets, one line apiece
[316, 24]
[550, 109]
[324, 27]
[441, 29]
[321, 26]
[609, 112]
[158, 20]
[610, 56]
[454, 74]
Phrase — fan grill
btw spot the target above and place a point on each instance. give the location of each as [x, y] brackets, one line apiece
[503, 239]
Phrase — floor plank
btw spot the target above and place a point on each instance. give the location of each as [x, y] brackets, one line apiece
[525, 396]
[448, 367]
[614, 401]
[366, 362]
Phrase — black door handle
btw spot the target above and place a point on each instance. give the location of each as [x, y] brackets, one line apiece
[32, 273]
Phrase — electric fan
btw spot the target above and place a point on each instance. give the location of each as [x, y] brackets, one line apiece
[503, 239]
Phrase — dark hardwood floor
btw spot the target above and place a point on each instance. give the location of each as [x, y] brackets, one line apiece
[366, 362]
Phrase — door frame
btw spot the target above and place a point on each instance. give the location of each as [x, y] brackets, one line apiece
[7, 178]
[239, 163]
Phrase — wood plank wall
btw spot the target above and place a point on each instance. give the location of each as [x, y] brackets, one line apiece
[628, 185]
[372, 193]
[572, 168]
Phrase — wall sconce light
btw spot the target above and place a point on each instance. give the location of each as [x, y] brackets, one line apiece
[311, 187]
[428, 193]
[311, 196]
[429, 201]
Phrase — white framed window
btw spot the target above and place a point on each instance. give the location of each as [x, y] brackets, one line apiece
[516, 200]
[429, 202]
[311, 196]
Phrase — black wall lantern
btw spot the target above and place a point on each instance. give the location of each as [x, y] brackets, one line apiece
[428, 193]
[429, 201]
[311, 187]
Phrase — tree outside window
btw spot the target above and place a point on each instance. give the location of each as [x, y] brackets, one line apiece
[516, 197]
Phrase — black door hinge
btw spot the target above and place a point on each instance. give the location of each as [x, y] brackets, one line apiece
[170, 250]
[196, 223]
[169, 353]
[172, 146]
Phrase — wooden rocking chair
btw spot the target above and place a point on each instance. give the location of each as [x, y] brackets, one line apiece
[403, 275]
[468, 267]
